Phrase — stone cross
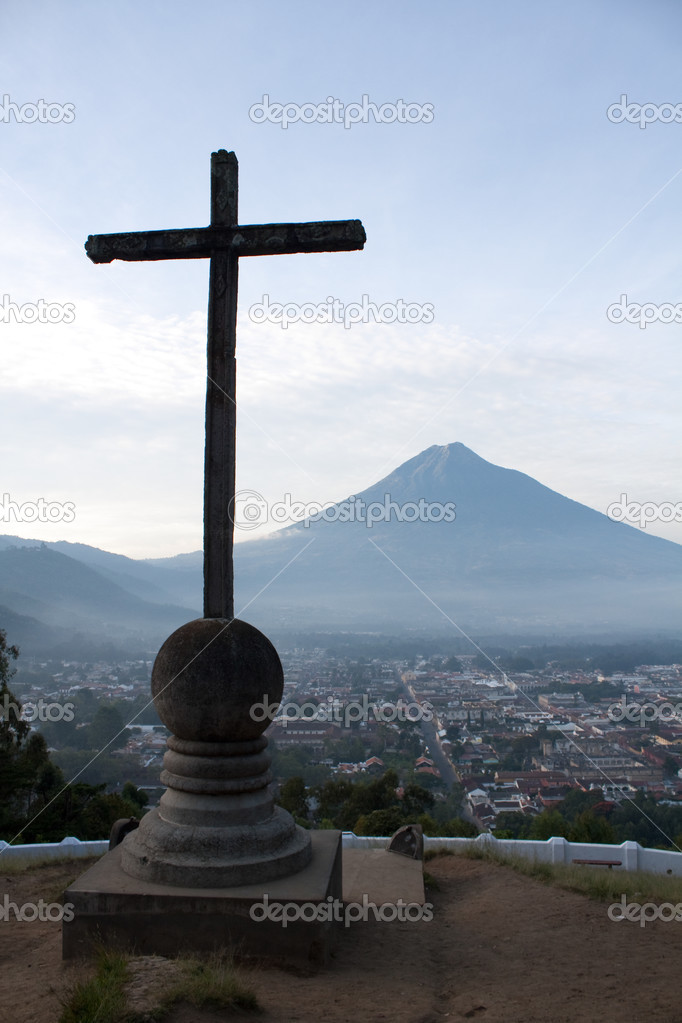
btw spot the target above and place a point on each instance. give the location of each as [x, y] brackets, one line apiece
[223, 242]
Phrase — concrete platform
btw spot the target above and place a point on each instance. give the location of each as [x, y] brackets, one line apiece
[147, 918]
[382, 876]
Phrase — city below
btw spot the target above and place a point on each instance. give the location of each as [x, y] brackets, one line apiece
[504, 741]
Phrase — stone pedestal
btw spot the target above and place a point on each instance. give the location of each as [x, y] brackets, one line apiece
[216, 824]
[188, 877]
[146, 918]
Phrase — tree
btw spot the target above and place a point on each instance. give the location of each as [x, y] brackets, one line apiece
[293, 797]
[23, 755]
[380, 822]
[136, 796]
[549, 824]
[408, 741]
[511, 824]
[107, 730]
[576, 801]
[416, 800]
[343, 802]
[13, 728]
[85, 704]
[456, 827]
[142, 710]
[62, 734]
[588, 827]
[100, 814]
[332, 796]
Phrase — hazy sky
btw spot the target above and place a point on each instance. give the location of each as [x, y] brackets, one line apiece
[517, 210]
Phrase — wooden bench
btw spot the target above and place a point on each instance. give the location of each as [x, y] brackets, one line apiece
[600, 863]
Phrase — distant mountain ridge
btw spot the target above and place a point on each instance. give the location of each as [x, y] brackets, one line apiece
[516, 557]
[58, 596]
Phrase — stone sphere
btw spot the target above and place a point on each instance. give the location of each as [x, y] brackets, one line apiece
[217, 680]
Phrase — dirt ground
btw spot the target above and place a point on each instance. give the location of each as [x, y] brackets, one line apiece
[501, 948]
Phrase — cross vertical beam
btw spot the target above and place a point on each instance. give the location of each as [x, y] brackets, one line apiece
[221, 419]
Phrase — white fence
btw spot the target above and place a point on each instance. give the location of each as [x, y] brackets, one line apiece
[44, 852]
[555, 850]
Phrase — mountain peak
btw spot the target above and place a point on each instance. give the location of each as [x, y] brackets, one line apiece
[433, 471]
[441, 454]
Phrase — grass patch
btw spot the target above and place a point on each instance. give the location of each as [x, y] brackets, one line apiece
[211, 984]
[595, 882]
[100, 999]
[430, 854]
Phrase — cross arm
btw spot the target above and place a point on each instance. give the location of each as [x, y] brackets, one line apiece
[320, 236]
[249, 240]
[190, 243]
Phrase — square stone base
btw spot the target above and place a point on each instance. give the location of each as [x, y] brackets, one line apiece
[145, 918]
